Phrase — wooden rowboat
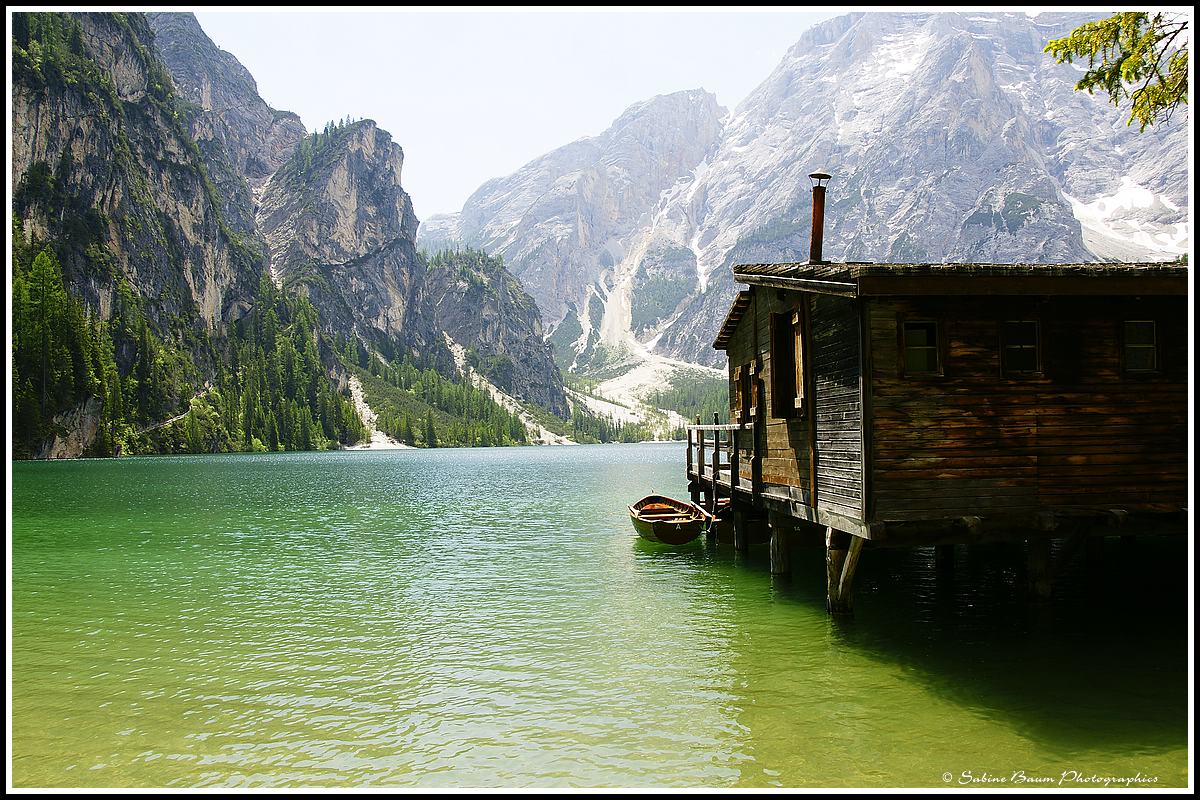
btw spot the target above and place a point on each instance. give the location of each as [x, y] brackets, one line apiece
[665, 520]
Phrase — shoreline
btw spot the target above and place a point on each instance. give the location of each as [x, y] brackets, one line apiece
[371, 446]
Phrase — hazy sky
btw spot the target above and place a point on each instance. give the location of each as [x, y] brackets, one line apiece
[474, 95]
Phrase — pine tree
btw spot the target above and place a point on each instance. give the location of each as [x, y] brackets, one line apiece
[1132, 55]
[430, 432]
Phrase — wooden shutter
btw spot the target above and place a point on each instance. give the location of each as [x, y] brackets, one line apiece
[736, 397]
[752, 398]
[799, 354]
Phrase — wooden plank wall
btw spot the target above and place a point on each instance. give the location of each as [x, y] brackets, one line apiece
[1083, 435]
[741, 351]
[785, 440]
[836, 372]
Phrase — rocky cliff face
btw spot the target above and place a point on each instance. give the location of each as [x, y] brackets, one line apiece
[337, 224]
[257, 138]
[951, 137]
[340, 227]
[102, 166]
[148, 184]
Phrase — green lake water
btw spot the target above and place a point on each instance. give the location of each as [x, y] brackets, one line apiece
[489, 618]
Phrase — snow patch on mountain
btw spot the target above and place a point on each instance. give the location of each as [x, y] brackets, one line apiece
[1112, 230]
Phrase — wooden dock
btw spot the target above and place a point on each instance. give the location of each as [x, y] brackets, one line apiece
[724, 465]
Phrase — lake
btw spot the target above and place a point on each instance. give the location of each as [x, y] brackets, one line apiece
[488, 617]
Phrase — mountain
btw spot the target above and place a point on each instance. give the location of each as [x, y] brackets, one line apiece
[193, 271]
[950, 136]
[258, 139]
[563, 221]
[338, 223]
[481, 306]
[141, 318]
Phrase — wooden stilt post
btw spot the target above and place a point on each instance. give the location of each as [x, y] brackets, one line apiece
[943, 557]
[1128, 549]
[717, 468]
[711, 532]
[689, 453]
[845, 595]
[741, 536]
[836, 545]
[842, 552]
[1093, 560]
[1038, 559]
[693, 478]
[780, 561]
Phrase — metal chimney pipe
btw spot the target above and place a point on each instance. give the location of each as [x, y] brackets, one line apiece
[818, 217]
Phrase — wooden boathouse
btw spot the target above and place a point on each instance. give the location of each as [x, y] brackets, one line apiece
[942, 404]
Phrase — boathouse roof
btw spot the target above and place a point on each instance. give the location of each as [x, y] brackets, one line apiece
[863, 279]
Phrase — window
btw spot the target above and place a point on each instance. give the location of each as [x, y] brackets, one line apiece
[1141, 346]
[743, 399]
[920, 348]
[783, 365]
[1020, 347]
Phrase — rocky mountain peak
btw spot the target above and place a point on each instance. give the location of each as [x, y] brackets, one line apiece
[696, 105]
[338, 198]
[341, 229]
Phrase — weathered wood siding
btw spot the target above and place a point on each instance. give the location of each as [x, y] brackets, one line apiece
[784, 442]
[1083, 434]
[742, 350]
[835, 361]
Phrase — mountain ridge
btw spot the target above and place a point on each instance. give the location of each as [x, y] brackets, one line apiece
[951, 137]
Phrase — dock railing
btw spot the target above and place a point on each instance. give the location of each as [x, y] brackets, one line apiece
[713, 452]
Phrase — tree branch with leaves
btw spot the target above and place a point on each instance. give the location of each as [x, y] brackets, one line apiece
[1132, 55]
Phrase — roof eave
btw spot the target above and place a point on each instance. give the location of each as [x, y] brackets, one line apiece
[736, 310]
[839, 288]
